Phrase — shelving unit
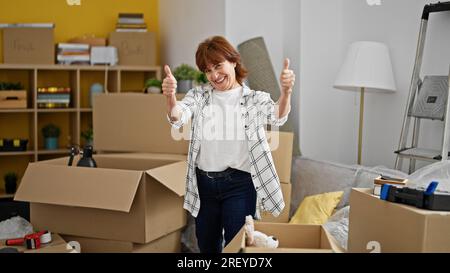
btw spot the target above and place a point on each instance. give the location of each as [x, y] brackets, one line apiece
[27, 123]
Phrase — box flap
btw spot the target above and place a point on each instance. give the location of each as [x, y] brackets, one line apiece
[173, 176]
[79, 187]
[128, 122]
[237, 243]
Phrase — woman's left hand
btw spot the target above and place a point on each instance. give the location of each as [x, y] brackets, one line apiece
[287, 79]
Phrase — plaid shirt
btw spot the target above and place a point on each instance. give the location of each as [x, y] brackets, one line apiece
[259, 110]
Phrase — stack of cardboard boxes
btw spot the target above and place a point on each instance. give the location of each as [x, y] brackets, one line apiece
[132, 201]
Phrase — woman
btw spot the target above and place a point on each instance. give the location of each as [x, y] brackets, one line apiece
[230, 167]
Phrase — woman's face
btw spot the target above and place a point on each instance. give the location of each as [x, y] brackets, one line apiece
[222, 75]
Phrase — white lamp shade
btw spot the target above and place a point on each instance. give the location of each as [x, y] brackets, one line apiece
[367, 65]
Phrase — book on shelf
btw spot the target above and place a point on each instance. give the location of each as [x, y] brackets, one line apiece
[54, 89]
[131, 30]
[131, 15]
[131, 25]
[30, 25]
[73, 46]
[75, 58]
[131, 21]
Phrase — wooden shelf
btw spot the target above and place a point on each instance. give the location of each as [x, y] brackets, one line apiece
[16, 153]
[3, 194]
[53, 152]
[71, 120]
[24, 110]
[57, 110]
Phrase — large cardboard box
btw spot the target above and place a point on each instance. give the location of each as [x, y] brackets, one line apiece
[129, 197]
[381, 226]
[134, 48]
[28, 46]
[291, 237]
[284, 216]
[170, 243]
[138, 123]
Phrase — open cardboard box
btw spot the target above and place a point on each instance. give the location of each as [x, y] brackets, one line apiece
[292, 238]
[382, 226]
[129, 197]
[170, 243]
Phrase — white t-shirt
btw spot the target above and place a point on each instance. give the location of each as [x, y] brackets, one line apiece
[223, 143]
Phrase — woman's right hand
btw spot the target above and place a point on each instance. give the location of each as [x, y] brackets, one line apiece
[169, 88]
[169, 85]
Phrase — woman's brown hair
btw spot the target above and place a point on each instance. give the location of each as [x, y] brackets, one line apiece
[217, 49]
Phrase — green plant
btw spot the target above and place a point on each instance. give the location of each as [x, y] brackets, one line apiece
[51, 130]
[153, 83]
[88, 134]
[201, 77]
[185, 72]
[10, 86]
[10, 176]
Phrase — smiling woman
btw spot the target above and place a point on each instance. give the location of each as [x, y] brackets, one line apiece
[228, 178]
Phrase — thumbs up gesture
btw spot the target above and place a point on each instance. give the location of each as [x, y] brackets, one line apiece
[169, 85]
[287, 78]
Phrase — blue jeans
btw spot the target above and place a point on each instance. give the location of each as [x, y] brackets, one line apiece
[224, 203]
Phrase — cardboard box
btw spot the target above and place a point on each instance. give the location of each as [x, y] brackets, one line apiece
[28, 46]
[292, 238]
[284, 216]
[382, 226]
[13, 99]
[170, 243]
[57, 245]
[129, 197]
[143, 114]
[135, 48]
[281, 145]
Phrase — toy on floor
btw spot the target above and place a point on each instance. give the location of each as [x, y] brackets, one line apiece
[256, 238]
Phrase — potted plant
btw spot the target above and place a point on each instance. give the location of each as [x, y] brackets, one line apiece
[88, 136]
[185, 76]
[51, 134]
[153, 86]
[200, 78]
[10, 182]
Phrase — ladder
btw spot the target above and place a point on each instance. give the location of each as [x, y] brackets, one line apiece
[427, 99]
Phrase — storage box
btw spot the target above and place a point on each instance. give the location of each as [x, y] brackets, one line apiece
[13, 99]
[129, 197]
[170, 243]
[284, 216]
[291, 237]
[135, 48]
[382, 226]
[28, 46]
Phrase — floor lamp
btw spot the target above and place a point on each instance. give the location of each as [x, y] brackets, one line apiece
[367, 67]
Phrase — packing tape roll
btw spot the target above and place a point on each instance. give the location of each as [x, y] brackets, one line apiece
[46, 238]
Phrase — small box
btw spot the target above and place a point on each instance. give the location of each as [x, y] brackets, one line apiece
[89, 39]
[10, 99]
[292, 238]
[104, 55]
[135, 48]
[28, 45]
[381, 180]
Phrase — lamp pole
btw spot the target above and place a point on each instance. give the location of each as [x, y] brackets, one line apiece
[361, 117]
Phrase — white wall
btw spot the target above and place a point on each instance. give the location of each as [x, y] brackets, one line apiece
[329, 117]
[184, 24]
